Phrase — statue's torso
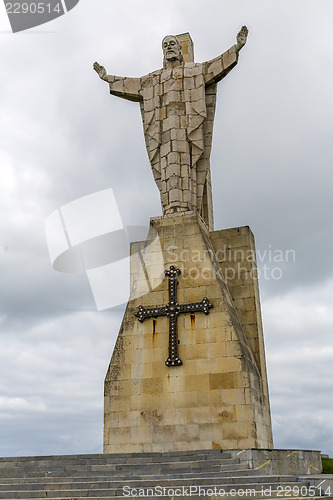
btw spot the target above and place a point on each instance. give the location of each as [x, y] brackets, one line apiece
[173, 90]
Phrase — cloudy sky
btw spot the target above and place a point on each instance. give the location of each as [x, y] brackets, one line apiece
[63, 137]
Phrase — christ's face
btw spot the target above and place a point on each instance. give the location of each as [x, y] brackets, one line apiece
[171, 48]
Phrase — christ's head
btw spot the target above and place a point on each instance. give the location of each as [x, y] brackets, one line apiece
[172, 49]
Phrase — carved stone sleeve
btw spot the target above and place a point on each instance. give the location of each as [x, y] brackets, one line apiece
[125, 87]
[218, 68]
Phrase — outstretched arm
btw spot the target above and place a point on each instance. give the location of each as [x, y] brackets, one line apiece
[127, 88]
[218, 68]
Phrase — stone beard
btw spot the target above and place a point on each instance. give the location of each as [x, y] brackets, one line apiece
[177, 106]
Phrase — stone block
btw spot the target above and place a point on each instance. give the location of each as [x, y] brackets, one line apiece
[196, 94]
[207, 366]
[187, 196]
[142, 402]
[184, 161]
[152, 386]
[185, 184]
[197, 382]
[199, 415]
[165, 149]
[129, 418]
[189, 83]
[171, 97]
[174, 195]
[111, 419]
[121, 435]
[229, 58]
[238, 430]
[241, 380]
[249, 318]
[133, 356]
[128, 387]
[172, 85]
[233, 397]
[165, 75]
[171, 122]
[211, 432]
[172, 169]
[216, 350]
[244, 413]
[186, 399]
[141, 434]
[120, 403]
[171, 416]
[141, 371]
[180, 146]
[178, 134]
[150, 354]
[198, 81]
[233, 349]
[194, 71]
[196, 351]
[174, 384]
[230, 364]
[215, 67]
[188, 432]
[163, 401]
[226, 413]
[221, 381]
[117, 86]
[163, 433]
[208, 336]
[148, 93]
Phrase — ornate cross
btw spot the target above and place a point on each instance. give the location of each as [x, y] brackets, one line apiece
[172, 310]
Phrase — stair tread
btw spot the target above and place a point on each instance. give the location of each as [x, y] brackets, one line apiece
[103, 476]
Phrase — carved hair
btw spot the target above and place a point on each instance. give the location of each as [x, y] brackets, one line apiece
[181, 59]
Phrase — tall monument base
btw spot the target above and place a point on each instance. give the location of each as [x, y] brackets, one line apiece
[185, 375]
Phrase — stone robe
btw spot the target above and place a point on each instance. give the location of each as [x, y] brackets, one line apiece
[178, 107]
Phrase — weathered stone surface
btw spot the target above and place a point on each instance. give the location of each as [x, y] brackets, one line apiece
[219, 396]
[187, 45]
[235, 251]
[270, 461]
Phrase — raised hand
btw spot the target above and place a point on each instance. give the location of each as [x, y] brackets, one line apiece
[100, 70]
[242, 37]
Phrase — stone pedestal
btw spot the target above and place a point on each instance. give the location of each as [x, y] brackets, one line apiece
[218, 397]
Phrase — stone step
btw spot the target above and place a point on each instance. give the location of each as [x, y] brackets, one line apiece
[250, 476]
[122, 457]
[225, 463]
[115, 483]
[134, 477]
[209, 497]
[123, 470]
[78, 478]
[110, 492]
[174, 466]
[128, 473]
[75, 479]
[193, 497]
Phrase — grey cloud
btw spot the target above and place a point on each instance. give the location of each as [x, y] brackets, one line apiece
[53, 384]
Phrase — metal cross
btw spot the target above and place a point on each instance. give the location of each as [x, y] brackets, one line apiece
[172, 310]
